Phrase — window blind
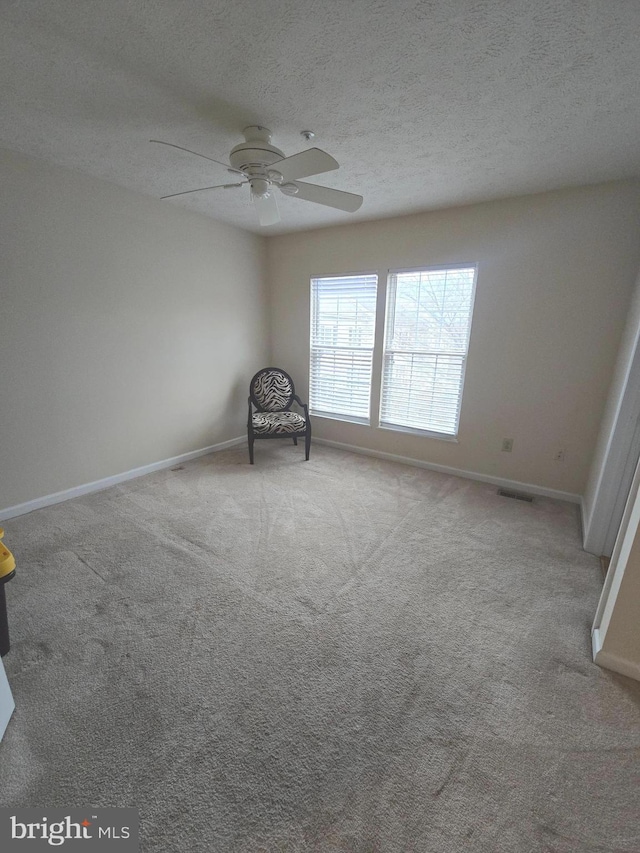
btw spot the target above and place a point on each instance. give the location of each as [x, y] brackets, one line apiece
[426, 341]
[343, 316]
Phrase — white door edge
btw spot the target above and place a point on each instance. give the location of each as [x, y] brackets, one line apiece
[7, 704]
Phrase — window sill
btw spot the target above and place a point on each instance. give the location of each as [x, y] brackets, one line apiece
[342, 418]
[425, 433]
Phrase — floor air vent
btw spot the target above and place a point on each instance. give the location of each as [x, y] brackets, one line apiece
[517, 496]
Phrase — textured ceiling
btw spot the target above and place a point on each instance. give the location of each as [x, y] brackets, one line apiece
[424, 103]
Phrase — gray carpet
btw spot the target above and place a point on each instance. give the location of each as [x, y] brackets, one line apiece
[339, 655]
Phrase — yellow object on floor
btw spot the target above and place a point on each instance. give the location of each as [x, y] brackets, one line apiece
[7, 560]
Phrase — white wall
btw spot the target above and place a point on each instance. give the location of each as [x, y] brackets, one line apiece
[556, 272]
[129, 329]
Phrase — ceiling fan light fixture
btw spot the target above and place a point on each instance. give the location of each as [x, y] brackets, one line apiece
[260, 187]
[289, 189]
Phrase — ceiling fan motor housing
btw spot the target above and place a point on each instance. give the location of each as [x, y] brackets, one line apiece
[256, 154]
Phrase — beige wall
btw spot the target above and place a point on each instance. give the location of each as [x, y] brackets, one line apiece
[556, 272]
[129, 329]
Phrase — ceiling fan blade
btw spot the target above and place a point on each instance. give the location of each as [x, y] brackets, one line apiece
[200, 189]
[313, 161]
[189, 151]
[267, 207]
[329, 197]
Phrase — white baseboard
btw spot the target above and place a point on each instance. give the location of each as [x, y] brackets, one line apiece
[513, 485]
[98, 485]
[583, 525]
[624, 666]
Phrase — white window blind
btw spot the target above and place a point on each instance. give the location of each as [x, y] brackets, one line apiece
[343, 317]
[426, 341]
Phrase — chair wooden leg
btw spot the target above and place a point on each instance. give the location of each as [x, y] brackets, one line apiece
[295, 440]
[307, 446]
[250, 451]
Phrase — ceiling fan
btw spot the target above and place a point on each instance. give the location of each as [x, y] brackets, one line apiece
[265, 168]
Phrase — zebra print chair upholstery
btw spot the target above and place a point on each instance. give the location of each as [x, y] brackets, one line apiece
[271, 395]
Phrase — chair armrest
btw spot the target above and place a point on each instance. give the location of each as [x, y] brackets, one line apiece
[303, 406]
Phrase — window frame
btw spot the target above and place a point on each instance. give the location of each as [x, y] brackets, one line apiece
[389, 316]
[354, 419]
[381, 321]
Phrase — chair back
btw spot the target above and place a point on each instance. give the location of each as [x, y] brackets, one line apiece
[272, 390]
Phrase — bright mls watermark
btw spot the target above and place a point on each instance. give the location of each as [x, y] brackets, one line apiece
[101, 830]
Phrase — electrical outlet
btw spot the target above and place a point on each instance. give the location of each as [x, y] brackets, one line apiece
[559, 457]
[507, 445]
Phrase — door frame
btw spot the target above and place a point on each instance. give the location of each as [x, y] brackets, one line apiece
[619, 464]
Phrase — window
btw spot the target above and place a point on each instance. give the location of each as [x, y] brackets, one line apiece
[426, 341]
[343, 317]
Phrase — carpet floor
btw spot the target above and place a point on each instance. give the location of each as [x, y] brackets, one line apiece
[344, 654]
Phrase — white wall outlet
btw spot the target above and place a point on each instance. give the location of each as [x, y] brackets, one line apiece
[507, 445]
